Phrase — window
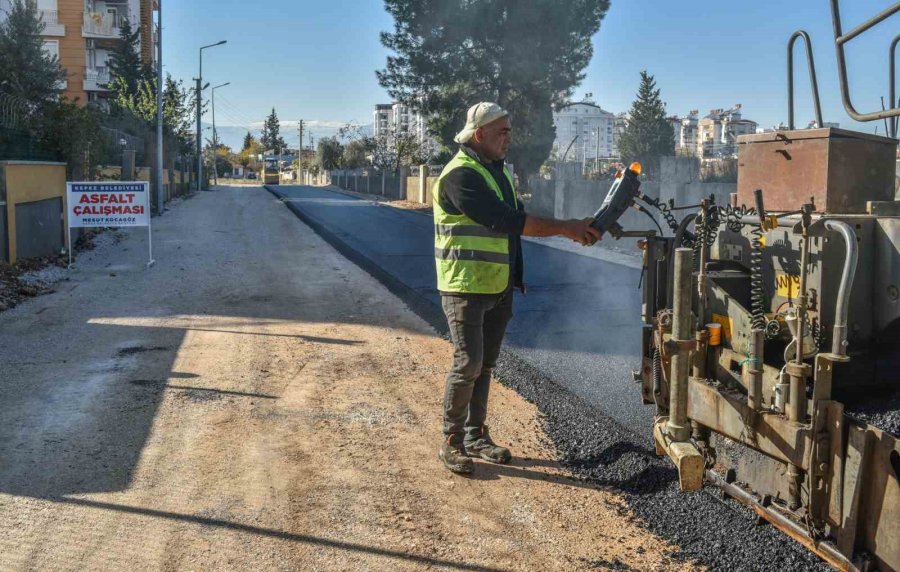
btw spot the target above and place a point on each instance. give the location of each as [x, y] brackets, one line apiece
[51, 48]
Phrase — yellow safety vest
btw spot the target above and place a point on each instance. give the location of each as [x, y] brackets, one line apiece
[470, 258]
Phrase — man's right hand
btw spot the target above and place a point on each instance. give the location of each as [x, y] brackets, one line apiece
[581, 231]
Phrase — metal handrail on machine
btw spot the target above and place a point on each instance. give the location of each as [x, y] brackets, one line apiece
[839, 40]
[813, 81]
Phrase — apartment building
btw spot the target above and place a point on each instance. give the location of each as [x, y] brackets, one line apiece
[586, 131]
[717, 133]
[82, 33]
[396, 118]
[383, 119]
[685, 131]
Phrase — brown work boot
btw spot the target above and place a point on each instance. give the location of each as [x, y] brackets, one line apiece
[454, 457]
[484, 447]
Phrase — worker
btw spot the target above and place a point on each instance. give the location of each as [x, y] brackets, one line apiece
[478, 222]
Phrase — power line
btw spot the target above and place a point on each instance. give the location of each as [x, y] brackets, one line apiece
[237, 112]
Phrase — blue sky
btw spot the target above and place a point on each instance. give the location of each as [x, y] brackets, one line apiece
[316, 59]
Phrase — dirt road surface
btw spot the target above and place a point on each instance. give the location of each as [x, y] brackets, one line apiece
[256, 402]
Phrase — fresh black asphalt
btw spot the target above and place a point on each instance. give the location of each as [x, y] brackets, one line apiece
[579, 321]
[570, 350]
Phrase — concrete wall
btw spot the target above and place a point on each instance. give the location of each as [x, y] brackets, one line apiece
[566, 198]
[24, 182]
[181, 178]
[370, 182]
[109, 173]
[680, 180]
[413, 189]
[418, 190]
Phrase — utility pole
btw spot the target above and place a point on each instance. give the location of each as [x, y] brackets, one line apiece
[199, 134]
[215, 136]
[300, 147]
[199, 113]
[215, 142]
[597, 159]
[160, 199]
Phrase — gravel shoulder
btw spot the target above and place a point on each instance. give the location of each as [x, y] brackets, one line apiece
[256, 401]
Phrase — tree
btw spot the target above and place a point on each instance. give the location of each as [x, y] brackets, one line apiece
[271, 139]
[395, 149]
[72, 133]
[354, 156]
[648, 134]
[249, 141]
[27, 72]
[329, 154]
[389, 151]
[127, 69]
[179, 104]
[525, 56]
[219, 158]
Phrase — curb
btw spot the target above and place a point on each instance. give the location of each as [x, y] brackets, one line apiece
[418, 302]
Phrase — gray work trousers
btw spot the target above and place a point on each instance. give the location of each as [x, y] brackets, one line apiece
[477, 326]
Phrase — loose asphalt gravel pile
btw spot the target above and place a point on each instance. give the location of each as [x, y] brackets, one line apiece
[883, 413]
[712, 533]
[720, 535]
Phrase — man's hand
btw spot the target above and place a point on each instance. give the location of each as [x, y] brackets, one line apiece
[581, 231]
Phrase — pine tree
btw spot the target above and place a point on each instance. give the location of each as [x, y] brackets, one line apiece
[525, 56]
[249, 141]
[27, 72]
[648, 135]
[126, 67]
[271, 139]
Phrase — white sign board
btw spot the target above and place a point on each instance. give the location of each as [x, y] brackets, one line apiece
[109, 204]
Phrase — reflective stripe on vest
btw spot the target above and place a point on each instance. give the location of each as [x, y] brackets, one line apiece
[466, 230]
[469, 258]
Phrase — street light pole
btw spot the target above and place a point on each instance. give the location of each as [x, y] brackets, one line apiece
[216, 134]
[160, 199]
[200, 113]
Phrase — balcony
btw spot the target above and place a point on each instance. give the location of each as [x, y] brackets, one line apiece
[102, 25]
[52, 27]
[96, 79]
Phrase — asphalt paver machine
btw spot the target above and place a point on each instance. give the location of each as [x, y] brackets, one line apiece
[771, 336]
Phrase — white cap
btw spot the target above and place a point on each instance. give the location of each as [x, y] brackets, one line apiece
[479, 115]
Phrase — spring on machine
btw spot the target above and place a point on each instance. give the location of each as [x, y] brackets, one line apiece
[757, 290]
[699, 239]
[665, 211]
[732, 216]
[671, 221]
[656, 375]
[705, 233]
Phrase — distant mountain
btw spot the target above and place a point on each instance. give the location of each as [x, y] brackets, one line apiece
[233, 135]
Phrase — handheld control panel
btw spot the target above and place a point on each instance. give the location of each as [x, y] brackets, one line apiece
[620, 198]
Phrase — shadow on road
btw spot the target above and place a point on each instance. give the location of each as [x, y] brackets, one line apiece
[524, 469]
[313, 339]
[279, 534]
